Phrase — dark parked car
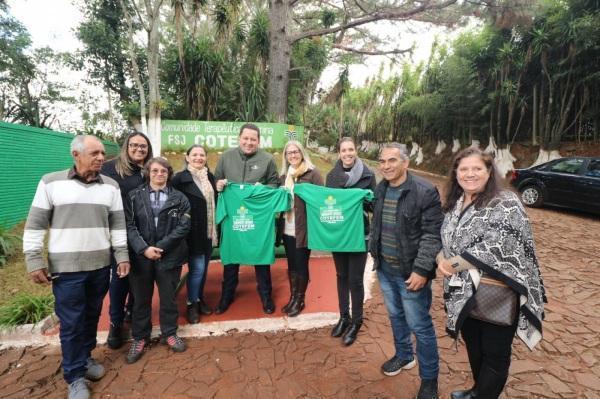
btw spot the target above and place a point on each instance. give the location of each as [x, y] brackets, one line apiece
[572, 182]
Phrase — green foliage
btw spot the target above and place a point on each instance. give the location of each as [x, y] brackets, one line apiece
[26, 309]
[327, 18]
[8, 245]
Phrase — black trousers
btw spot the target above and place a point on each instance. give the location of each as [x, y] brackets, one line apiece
[297, 258]
[231, 279]
[141, 280]
[350, 270]
[489, 346]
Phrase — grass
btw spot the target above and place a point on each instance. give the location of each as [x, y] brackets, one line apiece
[14, 278]
[26, 309]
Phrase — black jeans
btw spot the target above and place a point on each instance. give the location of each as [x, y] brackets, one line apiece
[350, 269]
[488, 345]
[118, 292]
[231, 279]
[297, 258]
[141, 280]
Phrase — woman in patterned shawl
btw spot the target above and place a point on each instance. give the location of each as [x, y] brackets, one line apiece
[486, 235]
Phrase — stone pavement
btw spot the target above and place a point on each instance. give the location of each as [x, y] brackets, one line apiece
[311, 364]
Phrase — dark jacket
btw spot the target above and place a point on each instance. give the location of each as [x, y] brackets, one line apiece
[418, 222]
[197, 240]
[237, 167]
[127, 183]
[173, 227]
[313, 177]
[337, 178]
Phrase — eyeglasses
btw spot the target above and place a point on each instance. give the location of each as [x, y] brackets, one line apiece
[293, 152]
[135, 146]
[159, 171]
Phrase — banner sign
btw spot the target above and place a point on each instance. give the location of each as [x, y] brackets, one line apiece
[180, 135]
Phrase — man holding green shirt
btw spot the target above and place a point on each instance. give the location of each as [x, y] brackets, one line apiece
[251, 165]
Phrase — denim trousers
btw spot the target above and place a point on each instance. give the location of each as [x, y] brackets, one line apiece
[409, 313]
[197, 271]
[78, 300]
[118, 290]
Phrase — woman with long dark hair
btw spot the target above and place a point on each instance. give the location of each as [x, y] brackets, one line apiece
[492, 284]
[198, 184]
[350, 172]
[127, 171]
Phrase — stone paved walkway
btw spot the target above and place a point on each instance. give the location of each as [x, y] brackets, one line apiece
[311, 364]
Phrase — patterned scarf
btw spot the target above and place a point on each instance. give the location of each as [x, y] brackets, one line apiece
[290, 179]
[497, 240]
[200, 177]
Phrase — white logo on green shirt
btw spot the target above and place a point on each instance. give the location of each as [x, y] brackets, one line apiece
[243, 221]
[330, 213]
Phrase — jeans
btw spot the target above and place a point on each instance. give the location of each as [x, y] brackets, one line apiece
[409, 313]
[117, 292]
[197, 271]
[350, 270]
[142, 280]
[78, 300]
[297, 258]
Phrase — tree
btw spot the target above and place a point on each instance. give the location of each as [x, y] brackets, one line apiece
[29, 90]
[319, 21]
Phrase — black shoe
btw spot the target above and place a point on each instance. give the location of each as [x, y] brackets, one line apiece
[351, 334]
[174, 342]
[395, 365]
[203, 308]
[428, 389]
[115, 337]
[268, 305]
[223, 306]
[298, 303]
[466, 394]
[192, 313]
[136, 350]
[340, 328]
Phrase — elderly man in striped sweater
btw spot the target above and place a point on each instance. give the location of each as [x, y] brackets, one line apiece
[84, 212]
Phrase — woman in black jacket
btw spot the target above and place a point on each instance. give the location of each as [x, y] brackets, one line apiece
[198, 185]
[126, 170]
[158, 221]
[350, 172]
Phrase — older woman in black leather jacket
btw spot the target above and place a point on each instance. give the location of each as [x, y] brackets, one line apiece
[158, 221]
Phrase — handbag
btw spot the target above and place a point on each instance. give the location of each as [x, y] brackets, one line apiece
[495, 302]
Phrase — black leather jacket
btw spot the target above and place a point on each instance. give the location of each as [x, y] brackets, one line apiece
[169, 235]
[418, 222]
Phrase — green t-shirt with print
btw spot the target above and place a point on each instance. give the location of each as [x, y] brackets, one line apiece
[246, 213]
[334, 217]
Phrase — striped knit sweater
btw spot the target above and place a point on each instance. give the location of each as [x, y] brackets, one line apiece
[85, 221]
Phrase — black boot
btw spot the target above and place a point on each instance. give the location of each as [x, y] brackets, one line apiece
[115, 337]
[267, 304]
[341, 326]
[203, 308]
[192, 313]
[292, 280]
[223, 305]
[466, 394]
[350, 335]
[490, 383]
[298, 303]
